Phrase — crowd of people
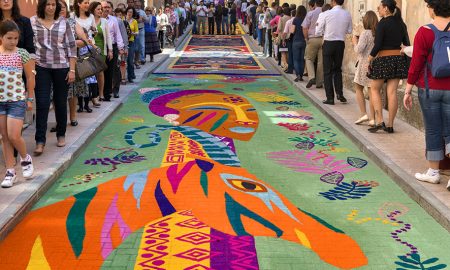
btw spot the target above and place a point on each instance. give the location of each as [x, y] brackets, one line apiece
[39, 57]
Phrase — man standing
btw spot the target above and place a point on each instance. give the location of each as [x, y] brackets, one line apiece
[118, 48]
[270, 14]
[334, 26]
[142, 19]
[201, 17]
[313, 45]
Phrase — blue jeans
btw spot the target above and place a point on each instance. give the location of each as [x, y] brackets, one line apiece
[14, 109]
[141, 44]
[130, 60]
[45, 79]
[259, 34]
[436, 117]
[298, 55]
[225, 28]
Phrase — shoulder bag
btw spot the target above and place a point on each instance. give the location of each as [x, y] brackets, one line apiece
[89, 64]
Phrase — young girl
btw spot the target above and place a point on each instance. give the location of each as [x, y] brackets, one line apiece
[14, 100]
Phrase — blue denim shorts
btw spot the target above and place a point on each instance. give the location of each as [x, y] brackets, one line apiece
[14, 109]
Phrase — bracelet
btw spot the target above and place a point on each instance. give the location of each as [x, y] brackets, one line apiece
[30, 99]
[72, 70]
[407, 93]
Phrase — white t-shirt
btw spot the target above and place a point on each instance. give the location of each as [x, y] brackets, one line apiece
[86, 24]
[201, 11]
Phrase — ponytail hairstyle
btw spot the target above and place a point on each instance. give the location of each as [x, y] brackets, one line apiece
[393, 8]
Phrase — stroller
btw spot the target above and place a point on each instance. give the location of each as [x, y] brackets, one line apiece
[170, 35]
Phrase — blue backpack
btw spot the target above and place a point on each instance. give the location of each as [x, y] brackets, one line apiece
[440, 61]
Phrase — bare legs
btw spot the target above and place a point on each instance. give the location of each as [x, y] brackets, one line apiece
[72, 109]
[101, 83]
[11, 130]
[359, 89]
[375, 96]
[392, 86]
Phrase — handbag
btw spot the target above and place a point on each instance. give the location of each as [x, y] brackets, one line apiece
[89, 64]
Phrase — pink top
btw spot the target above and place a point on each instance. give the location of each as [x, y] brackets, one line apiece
[275, 21]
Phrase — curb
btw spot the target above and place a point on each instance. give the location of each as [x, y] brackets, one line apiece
[413, 189]
[41, 184]
[432, 205]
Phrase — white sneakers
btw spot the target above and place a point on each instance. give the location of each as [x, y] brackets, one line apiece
[27, 167]
[27, 172]
[10, 179]
[361, 120]
[430, 176]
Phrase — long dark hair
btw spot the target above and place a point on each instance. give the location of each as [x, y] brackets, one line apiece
[40, 10]
[15, 11]
[76, 8]
[301, 12]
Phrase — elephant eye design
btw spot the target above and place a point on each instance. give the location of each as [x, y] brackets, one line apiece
[247, 186]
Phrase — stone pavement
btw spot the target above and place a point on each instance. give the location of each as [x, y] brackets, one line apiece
[220, 171]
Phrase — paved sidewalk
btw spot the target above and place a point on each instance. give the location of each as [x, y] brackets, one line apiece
[400, 154]
[16, 200]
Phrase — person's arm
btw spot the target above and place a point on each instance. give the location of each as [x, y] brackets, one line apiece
[350, 24]
[121, 35]
[108, 39]
[29, 69]
[418, 62]
[71, 52]
[320, 28]
[145, 18]
[305, 26]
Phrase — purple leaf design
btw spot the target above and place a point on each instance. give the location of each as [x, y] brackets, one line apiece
[311, 162]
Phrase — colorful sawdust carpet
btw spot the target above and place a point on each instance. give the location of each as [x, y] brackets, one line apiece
[224, 172]
[208, 53]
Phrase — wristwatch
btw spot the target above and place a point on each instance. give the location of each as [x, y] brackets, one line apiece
[72, 70]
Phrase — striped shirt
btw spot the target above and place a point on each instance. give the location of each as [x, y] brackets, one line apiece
[54, 46]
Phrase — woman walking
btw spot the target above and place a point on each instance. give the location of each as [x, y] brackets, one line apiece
[56, 55]
[102, 41]
[134, 31]
[225, 26]
[218, 19]
[162, 20]
[86, 21]
[434, 93]
[15, 101]
[299, 43]
[363, 45]
[151, 38]
[233, 19]
[386, 62]
[211, 11]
